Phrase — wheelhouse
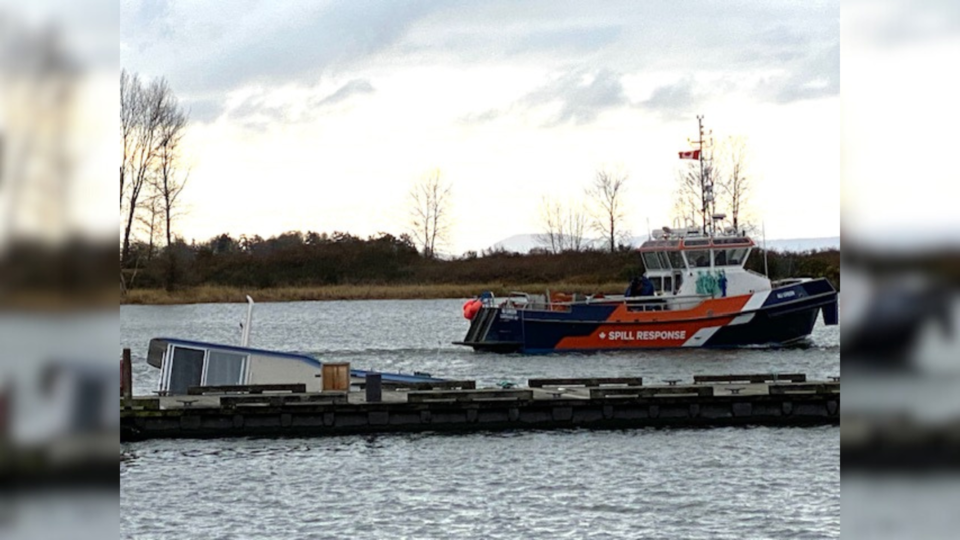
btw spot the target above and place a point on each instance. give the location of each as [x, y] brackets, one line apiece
[671, 255]
[695, 253]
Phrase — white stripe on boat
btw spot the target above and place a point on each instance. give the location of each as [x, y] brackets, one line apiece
[756, 301]
[701, 336]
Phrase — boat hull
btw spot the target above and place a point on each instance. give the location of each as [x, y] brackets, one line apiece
[777, 317]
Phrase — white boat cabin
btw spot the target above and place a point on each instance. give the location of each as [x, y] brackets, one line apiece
[185, 363]
[686, 262]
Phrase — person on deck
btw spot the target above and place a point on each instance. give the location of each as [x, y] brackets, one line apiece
[633, 289]
[646, 287]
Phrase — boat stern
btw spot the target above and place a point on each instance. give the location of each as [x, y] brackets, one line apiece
[495, 329]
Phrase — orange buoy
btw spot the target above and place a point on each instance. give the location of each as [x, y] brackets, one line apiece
[471, 307]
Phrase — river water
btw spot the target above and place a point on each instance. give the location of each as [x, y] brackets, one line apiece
[667, 483]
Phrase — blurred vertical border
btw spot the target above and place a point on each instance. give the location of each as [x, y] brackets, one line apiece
[59, 327]
[900, 307]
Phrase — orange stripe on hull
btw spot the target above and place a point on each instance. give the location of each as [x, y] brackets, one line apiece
[706, 309]
[659, 335]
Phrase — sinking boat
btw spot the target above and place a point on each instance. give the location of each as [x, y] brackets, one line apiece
[189, 364]
[695, 292]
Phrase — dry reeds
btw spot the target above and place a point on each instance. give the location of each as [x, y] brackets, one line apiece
[209, 294]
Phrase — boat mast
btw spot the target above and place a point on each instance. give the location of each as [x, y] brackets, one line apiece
[706, 179]
[703, 187]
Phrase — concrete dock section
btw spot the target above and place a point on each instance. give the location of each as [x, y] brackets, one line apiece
[593, 403]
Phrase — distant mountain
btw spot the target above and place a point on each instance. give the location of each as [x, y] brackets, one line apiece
[801, 244]
[523, 243]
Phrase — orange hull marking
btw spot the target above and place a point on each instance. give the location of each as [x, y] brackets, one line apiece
[632, 336]
[706, 309]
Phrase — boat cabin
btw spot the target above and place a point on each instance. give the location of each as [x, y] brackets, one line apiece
[184, 363]
[683, 262]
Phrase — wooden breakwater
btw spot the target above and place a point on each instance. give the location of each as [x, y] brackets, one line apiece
[607, 403]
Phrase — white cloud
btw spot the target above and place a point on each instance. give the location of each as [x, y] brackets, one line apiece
[318, 115]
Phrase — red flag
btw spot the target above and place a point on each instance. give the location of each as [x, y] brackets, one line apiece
[690, 154]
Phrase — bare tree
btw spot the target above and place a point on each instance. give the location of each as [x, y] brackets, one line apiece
[430, 199]
[734, 179]
[169, 180]
[130, 103]
[152, 126]
[563, 227]
[145, 135]
[607, 193]
[150, 221]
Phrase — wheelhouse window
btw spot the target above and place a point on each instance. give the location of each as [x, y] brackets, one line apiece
[663, 284]
[651, 261]
[720, 257]
[664, 260]
[722, 241]
[737, 256]
[729, 257]
[698, 258]
[676, 260]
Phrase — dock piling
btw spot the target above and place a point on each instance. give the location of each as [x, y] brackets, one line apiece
[126, 378]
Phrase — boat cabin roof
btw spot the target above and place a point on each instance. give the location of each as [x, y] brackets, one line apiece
[159, 346]
[669, 253]
[681, 244]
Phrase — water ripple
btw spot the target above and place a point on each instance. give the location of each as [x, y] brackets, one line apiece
[665, 483]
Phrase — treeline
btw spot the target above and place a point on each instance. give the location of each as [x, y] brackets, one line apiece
[317, 259]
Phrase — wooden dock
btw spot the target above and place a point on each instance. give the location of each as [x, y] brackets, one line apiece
[733, 400]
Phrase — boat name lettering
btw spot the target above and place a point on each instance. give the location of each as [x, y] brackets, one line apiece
[644, 335]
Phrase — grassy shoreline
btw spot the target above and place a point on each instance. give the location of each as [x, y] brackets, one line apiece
[211, 294]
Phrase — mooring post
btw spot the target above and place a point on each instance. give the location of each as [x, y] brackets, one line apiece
[126, 378]
[374, 388]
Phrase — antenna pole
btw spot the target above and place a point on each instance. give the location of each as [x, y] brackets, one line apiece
[706, 184]
[703, 189]
[245, 336]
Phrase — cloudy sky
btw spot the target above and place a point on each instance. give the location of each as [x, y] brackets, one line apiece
[320, 115]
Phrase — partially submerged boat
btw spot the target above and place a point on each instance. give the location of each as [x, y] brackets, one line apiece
[186, 364]
[695, 292]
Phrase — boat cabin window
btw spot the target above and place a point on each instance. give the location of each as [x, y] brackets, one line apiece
[664, 260]
[663, 284]
[729, 257]
[721, 241]
[737, 256]
[186, 369]
[651, 261]
[676, 260]
[225, 368]
[698, 258]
